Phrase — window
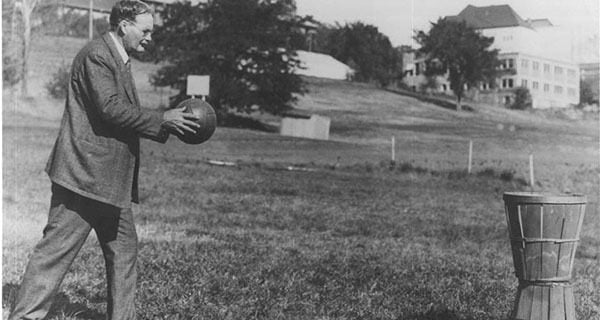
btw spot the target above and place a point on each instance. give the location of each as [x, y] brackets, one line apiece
[571, 92]
[546, 68]
[510, 63]
[524, 83]
[535, 85]
[558, 70]
[417, 69]
[558, 89]
[507, 83]
[444, 87]
[524, 63]
[571, 73]
[535, 65]
[507, 64]
[546, 87]
[486, 85]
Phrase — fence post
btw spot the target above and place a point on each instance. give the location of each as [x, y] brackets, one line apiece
[531, 180]
[393, 149]
[470, 157]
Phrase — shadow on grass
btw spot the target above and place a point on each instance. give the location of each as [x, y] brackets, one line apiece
[62, 307]
[441, 102]
[243, 122]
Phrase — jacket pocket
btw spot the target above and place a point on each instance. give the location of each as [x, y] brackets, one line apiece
[95, 150]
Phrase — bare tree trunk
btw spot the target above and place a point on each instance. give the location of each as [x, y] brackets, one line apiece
[458, 103]
[13, 21]
[27, 7]
[25, 55]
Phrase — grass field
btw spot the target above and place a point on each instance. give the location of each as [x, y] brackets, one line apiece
[349, 237]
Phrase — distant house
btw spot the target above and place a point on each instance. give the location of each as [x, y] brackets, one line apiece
[548, 71]
[322, 66]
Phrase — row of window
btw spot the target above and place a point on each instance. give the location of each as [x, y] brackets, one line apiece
[510, 63]
[535, 66]
[535, 85]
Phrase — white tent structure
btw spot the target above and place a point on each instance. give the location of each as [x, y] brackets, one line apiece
[322, 66]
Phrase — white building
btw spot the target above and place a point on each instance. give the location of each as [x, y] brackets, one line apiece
[320, 65]
[535, 55]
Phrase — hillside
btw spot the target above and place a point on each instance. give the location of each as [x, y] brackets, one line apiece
[364, 119]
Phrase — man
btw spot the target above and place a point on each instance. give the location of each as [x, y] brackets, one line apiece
[94, 167]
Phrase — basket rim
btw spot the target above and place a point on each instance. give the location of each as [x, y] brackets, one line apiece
[541, 198]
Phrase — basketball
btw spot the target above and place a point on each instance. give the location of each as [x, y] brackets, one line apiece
[207, 121]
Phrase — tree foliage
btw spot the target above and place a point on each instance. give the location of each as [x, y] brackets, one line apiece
[246, 46]
[58, 86]
[586, 92]
[522, 99]
[455, 49]
[367, 51]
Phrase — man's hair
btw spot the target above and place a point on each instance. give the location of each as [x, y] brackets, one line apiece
[128, 10]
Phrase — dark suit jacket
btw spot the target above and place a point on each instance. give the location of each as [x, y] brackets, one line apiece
[97, 150]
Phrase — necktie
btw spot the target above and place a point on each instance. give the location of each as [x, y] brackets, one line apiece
[130, 82]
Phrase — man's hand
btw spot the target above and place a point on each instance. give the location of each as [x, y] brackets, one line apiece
[179, 121]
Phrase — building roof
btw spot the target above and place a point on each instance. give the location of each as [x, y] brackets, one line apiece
[539, 23]
[490, 17]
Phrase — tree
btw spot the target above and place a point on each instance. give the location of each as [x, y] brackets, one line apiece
[455, 49]
[586, 93]
[10, 47]
[26, 8]
[370, 51]
[522, 99]
[246, 46]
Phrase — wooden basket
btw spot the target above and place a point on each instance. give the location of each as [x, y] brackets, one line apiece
[544, 233]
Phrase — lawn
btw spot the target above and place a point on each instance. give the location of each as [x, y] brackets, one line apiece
[349, 237]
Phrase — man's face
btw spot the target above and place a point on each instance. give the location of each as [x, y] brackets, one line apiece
[137, 34]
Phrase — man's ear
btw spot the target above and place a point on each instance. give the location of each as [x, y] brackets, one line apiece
[121, 29]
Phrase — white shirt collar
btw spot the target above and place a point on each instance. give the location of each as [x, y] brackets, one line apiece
[120, 48]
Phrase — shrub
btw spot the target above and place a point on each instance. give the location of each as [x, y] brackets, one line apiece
[487, 172]
[59, 85]
[522, 99]
[10, 71]
[457, 174]
[507, 175]
[586, 93]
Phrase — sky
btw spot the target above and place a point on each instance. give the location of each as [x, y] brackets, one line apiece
[398, 18]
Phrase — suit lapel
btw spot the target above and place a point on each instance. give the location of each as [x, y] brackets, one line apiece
[124, 73]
